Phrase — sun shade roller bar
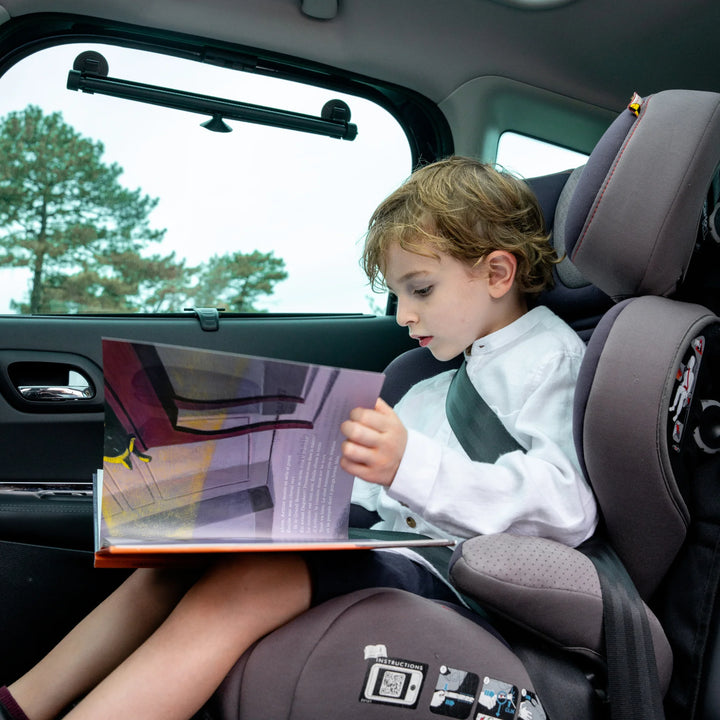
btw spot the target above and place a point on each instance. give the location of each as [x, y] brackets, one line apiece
[90, 75]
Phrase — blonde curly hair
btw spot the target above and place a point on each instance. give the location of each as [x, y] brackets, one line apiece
[466, 209]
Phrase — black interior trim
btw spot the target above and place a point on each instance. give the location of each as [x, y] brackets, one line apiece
[425, 126]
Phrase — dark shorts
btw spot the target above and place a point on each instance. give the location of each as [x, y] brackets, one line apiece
[338, 572]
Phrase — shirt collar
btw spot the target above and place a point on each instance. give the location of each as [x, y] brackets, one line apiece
[508, 334]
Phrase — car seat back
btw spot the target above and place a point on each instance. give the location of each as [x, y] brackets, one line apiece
[636, 449]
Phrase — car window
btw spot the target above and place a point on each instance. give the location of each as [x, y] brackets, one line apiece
[530, 157]
[112, 205]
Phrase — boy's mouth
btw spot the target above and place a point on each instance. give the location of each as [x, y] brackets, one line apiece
[424, 340]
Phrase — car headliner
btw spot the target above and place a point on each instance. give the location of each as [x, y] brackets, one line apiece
[595, 51]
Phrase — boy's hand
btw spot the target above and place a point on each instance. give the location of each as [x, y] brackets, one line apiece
[375, 444]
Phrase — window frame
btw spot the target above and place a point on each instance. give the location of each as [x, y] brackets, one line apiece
[423, 123]
[427, 130]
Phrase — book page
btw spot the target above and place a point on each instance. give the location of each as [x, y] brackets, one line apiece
[203, 445]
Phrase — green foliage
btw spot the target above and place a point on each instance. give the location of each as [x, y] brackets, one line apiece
[237, 280]
[65, 216]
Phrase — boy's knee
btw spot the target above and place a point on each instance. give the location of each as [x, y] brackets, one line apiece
[281, 568]
[165, 586]
[275, 578]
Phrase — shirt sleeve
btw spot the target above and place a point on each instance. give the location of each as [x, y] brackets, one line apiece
[538, 492]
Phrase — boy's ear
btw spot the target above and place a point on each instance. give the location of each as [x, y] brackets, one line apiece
[501, 268]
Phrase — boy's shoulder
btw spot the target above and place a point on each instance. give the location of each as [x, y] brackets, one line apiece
[429, 390]
[542, 342]
[553, 330]
[539, 328]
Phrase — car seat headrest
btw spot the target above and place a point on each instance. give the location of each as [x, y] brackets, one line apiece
[633, 219]
[642, 392]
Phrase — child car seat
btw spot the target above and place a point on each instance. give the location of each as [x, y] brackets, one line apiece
[382, 652]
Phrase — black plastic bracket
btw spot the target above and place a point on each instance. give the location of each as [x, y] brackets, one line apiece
[208, 317]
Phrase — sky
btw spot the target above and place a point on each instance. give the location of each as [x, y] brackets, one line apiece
[307, 198]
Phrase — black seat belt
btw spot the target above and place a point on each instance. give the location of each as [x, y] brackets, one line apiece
[478, 429]
[633, 685]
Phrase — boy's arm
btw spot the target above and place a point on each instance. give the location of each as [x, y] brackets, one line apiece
[537, 493]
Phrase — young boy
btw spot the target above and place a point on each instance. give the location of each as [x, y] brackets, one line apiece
[463, 248]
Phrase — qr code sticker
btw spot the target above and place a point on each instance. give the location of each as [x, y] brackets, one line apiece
[392, 684]
[393, 681]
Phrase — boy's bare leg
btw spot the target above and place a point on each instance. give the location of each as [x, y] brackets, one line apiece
[178, 668]
[101, 641]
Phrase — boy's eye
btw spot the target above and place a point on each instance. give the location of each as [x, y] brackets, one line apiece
[424, 292]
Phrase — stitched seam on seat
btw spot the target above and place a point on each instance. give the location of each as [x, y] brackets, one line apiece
[609, 177]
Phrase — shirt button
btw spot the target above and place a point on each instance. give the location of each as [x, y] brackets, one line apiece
[410, 521]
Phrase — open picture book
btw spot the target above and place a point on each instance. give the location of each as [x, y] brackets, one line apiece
[215, 452]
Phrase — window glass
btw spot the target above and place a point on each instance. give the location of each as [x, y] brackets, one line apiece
[259, 219]
[529, 157]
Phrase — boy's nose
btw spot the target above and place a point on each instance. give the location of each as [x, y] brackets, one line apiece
[404, 316]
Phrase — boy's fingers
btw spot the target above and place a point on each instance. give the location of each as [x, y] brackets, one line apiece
[381, 418]
[353, 468]
[356, 453]
[382, 407]
[372, 419]
[358, 433]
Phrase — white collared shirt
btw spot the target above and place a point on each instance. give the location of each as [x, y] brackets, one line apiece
[526, 372]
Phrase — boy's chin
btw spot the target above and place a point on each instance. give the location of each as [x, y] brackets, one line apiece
[443, 355]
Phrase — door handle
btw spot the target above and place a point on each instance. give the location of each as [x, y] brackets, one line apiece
[53, 393]
[40, 382]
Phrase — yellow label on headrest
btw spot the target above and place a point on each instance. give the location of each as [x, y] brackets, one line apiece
[634, 105]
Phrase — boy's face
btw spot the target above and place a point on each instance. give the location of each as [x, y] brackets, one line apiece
[445, 304]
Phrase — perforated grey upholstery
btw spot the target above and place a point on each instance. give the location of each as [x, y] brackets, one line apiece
[546, 587]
